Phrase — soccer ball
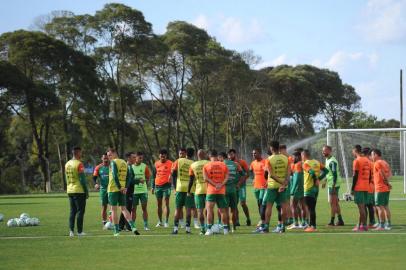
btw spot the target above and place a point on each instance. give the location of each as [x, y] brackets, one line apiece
[11, 223]
[1, 217]
[27, 221]
[34, 221]
[24, 216]
[215, 229]
[108, 226]
[21, 222]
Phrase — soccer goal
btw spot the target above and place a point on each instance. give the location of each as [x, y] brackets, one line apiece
[391, 141]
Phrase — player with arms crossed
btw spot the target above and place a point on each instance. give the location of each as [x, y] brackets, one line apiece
[141, 173]
[77, 191]
[215, 174]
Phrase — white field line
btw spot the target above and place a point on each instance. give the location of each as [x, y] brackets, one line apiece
[219, 235]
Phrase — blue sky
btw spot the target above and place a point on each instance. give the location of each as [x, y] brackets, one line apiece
[364, 40]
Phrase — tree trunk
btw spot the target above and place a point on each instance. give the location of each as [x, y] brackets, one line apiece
[61, 166]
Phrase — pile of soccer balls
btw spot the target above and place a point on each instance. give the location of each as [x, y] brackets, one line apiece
[23, 221]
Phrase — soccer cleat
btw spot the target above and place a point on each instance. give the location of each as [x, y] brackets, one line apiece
[197, 226]
[208, 232]
[81, 234]
[175, 232]
[248, 222]
[226, 231]
[310, 229]
[371, 225]
[376, 225]
[71, 234]
[116, 234]
[258, 230]
[146, 229]
[188, 230]
[388, 227]
[356, 229]
[331, 224]
[159, 224]
[237, 224]
[294, 226]
[340, 223]
[166, 225]
[136, 232]
[304, 225]
[277, 229]
[379, 228]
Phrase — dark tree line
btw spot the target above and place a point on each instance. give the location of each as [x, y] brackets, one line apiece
[107, 80]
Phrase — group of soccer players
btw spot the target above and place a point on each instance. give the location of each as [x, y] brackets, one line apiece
[219, 179]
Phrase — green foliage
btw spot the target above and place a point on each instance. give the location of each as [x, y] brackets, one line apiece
[106, 80]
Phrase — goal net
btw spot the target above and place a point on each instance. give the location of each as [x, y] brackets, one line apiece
[392, 143]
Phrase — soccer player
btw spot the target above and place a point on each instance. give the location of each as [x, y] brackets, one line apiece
[142, 172]
[360, 185]
[257, 169]
[130, 156]
[119, 175]
[313, 172]
[333, 185]
[370, 204]
[198, 186]
[382, 174]
[236, 177]
[215, 174]
[101, 171]
[283, 151]
[241, 186]
[180, 176]
[278, 170]
[297, 193]
[77, 191]
[161, 186]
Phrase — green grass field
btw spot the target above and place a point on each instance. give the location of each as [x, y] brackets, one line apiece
[48, 246]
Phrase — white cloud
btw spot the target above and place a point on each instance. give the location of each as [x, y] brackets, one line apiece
[231, 29]
[202, 22]
[282, 59]
[340, 60]
[384, 21]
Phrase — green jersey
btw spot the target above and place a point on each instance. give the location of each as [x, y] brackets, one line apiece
[102, 172]
[140, 172]
[333, 172]
[235, 172]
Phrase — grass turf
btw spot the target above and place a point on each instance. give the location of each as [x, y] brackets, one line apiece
[48, 247]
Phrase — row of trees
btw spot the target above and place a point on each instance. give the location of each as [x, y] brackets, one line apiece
[107, 80]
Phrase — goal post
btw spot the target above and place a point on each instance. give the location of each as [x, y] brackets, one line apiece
[391, 141]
